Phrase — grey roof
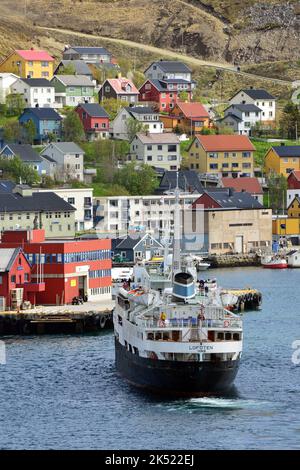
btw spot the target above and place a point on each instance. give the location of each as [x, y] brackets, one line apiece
[44, 113]
[94, 110]
[158, 138]
[88, 50]
[38, 202]
[250, 108]
[229, 199]
[140, 110]
[7, 257]
[37, 82]
[287, 150]
[64, 147]
[159, 84]
[75, 80]
[232, 115]
[49, 159]
[172, 66]
[80, 67]
[259, 94]
[6, 186]
[176, 80]
[128, 243]
[24, 151]
[188, 181]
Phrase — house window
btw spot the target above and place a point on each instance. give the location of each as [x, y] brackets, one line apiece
[13, 278]
[159, 158]
[45, 74]
[103, 125]
[107, 89]
[270, 114]
[172, 148]
[30, 63]
[159, 147]
[246, 154]
[149, 158]
[213, 166]
[71, 200]
[96, 125]
[45, 64]
[148, 86]
[149, 147]
[213, 155]
[226, 155]
[235, 165]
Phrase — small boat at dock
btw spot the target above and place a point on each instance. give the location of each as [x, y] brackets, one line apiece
[277, 261]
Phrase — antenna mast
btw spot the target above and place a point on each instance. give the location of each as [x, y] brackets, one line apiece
[177, 232]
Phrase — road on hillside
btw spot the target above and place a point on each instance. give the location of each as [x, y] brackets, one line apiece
[167, 53]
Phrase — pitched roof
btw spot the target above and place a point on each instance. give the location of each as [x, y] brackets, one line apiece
[37, 82]
[44, 113]
[24, 151]
[80, 67]
[171, 66]
[188, 181]
[228, 199]
[219, 143]
[75, 80]
[88, 50]
[140, 110]
[259, 94]
[6, 186]
[232, 116]
[244, 108]
[296, 173]
[248, 184]
[297, 199]
[120, 84]
[94, 110]
[287, 150]
[44, 201]
[65, 147]
[7, 257]
[193, 110]
[128, 243]
[158, 138]
[49, 159]
[33, 55]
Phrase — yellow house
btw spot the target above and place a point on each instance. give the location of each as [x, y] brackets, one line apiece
[282, 159]
[222, 155]
[29, 63]
[284, 226]
[293, 209]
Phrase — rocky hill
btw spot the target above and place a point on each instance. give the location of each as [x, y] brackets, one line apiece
[235, 31]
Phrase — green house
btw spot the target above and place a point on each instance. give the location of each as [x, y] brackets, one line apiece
[70, 90]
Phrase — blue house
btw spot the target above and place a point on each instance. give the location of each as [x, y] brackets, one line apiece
[26, 153]
[135, 248]
[46, 121]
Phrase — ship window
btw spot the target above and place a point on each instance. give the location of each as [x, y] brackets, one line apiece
[150, 336]
[135, 350]
[157, 336]
[220, 336]
[228, 336]
[236, 336]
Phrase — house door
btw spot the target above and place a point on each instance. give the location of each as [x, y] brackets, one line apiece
[239, 244]
[148, 255]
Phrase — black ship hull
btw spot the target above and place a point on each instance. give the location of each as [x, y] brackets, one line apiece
[175, 378]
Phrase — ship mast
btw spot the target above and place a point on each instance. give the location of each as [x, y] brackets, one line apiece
[177, 232]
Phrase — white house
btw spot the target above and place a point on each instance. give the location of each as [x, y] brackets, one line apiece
[36, 92]
[241, 117]
[143, 114]
[168, 69]
[261, 98]
[6, 81]
[119, 215]
[157, 150]
[82, 200]
[68, 157]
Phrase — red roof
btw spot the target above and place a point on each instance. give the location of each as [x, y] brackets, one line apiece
[32, 54]
[193, 110]
[296, 173]
[120, 84]
[251, 185]
[225, 143]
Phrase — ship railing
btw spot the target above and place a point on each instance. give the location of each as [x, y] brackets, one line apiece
[193, 323]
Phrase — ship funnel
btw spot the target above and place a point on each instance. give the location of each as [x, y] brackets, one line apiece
[183, 286]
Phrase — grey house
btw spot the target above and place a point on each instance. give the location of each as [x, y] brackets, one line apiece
[90, 55]
[241, 118]
[68, 157]
[143, 114]
[135, 248]
[158, 150]
[166, 69]
[21, 208]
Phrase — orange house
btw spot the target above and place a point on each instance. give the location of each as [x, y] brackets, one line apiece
[191, 118]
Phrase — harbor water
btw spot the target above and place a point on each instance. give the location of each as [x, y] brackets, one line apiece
[62, 392]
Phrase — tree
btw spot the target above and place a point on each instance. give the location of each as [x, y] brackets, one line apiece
[17, 170]
[72, 127]
[223, 129]
[15, 104]
[29, 131]
[12, 131]
[113, 106]
[134, 126]
[68, 69]
[183, 96]
[290, 121]
[277, 185]
[140, 180]
[138, 78]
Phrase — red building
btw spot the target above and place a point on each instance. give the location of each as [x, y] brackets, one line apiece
[95, 120]
[293, 181]
[165, 93]
[68, 268]
[15, 273]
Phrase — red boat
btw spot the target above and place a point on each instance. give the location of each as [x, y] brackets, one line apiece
[279, 262]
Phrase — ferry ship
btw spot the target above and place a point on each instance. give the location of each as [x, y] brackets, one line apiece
[170, 342]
